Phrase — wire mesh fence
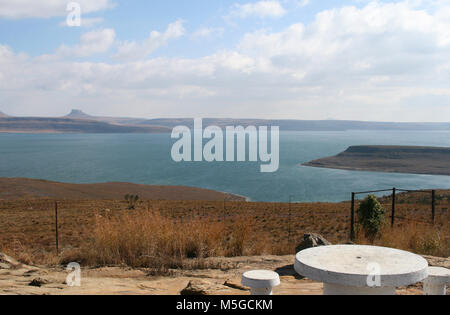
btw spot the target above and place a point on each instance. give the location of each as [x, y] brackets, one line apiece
[403, 205]
[32, 223]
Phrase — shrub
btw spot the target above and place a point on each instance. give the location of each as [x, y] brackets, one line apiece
[371, 217]
[131, 199]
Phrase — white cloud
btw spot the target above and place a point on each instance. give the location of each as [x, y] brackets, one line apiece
[19, 9]
[303, 3]
[86, 22]
[133, 50]
[260, 9]
[91, 43]
[384, 61]
[206, 32]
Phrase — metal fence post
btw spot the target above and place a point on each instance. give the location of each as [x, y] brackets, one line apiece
[56, 228]
[289, 220]
[224, 208]
[352, 220]
[393, 207]
[433, 205]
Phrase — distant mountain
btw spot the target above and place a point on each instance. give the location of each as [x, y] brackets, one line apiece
[301, 125]
[75, 122]
[79, 122]
[285, 125]
[78, 114]
[68, 125]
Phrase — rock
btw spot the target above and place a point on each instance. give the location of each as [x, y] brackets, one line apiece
[312, 240]
[196, 287]
[203, 287]
[30, 272]
[7, 262]
[438, 261]
[4, 266]
[38, 282]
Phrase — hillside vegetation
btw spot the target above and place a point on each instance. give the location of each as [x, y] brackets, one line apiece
[25, 188]
[167, 234]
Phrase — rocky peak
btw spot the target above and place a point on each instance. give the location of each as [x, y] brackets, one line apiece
[79, 114]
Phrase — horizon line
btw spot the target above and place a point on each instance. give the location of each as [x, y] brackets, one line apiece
[225, 118]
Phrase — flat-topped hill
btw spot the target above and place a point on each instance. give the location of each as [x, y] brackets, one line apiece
[395, 159]
[24, 188]
[78, 114]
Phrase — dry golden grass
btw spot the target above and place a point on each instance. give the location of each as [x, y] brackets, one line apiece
[424, 239]
[178, 234]
[148, 239]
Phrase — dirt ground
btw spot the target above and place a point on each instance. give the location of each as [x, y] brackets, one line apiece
[27, 231]
[15, 278]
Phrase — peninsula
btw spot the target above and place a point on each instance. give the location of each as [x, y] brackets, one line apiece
[392, 159]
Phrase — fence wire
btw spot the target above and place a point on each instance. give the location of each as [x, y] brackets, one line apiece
[32, 223]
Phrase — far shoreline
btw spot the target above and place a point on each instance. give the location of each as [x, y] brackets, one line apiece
[352, 169]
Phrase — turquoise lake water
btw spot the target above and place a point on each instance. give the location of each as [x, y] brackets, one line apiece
[145, 159]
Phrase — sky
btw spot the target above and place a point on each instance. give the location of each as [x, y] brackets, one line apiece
[285, 59]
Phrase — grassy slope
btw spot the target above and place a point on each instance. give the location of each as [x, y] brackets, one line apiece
[28, 227]
[23, 188]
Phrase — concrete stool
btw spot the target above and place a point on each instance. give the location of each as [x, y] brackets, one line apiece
[436, 283]
[261, 282]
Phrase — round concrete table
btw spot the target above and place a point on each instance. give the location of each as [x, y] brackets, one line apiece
[360, 270]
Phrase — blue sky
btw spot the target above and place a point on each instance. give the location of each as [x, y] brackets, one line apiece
[134, 19]
[354, 59]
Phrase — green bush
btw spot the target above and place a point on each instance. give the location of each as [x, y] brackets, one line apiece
[371, 216]
[131, 199]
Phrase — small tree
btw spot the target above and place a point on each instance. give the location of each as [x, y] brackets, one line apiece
[131, 199]
[371, 217]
